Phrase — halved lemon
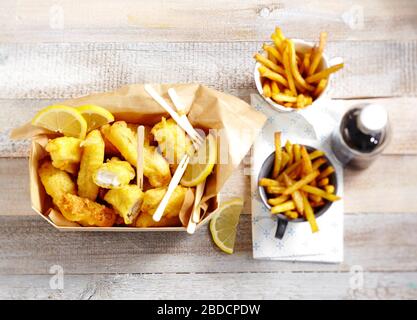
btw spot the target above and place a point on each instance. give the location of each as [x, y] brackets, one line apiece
[62, 119]
[223, 225]
[201, 163]
[95, 116]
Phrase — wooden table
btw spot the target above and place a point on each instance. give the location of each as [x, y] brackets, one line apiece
[53, 50]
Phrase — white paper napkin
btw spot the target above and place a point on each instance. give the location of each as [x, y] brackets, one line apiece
[298, 243]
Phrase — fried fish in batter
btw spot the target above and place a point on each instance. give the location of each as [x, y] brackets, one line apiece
[92, 158]
[156, 168]
[86, 212]
[153, 197]
[115, 173]
[145, 220]
[172, 140]
[65, 153]
[126, 201]
[57, 183]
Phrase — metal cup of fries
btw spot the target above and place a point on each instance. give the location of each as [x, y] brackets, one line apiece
[302, 187]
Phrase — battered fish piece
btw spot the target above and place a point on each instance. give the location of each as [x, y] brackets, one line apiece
[57, 183]
[153, 197]
[86, 212]
[172, 140]
[65, 153]
[145, 220]
[126, 201]
[156, 168]
[91, 160]
[147, 137]
[115, 173]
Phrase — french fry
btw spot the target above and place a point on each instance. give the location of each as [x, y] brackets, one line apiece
[300, 183]
[288, 148]
[319, 192]
[278, 200]
[318, 53]
[326, 172]
[273, 52]
[278, 39]
[296, 195]
[294, 68]
[323, 182]
[285, 159]
[288, 93]
[279, 34]
[278, 154]
[280, 97]
[269, 64]
[297, 152]
[317, 163]
[266, 182]
[272, 58]
[301, 101]
[267, 73]
[320, 87]
[267, 92]
[309, 214]
[329, 188]
[291, 214]
[315, 154]
[275, 189]
[324, 74]
[274, 88]
[308, 167]
[286, 206]
[314, 197]
[317, 204]
[306, 62]
[287, 67]
[301, 68]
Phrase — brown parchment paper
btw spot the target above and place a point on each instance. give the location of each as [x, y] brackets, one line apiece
[237, 125]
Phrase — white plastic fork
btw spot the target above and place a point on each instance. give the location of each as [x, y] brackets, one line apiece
[171, 187]
[195, 213]
[181, 121]
[183, 117]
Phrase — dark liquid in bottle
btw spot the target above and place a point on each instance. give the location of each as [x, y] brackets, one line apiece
[355, 138]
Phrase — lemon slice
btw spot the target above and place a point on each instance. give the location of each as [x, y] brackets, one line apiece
[201, 164]
[62, 119]
[224, 223]
[95, 116]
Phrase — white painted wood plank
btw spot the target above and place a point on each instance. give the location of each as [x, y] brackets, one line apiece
[205, 20]
[28, 245]
[402, 112]
[216, 286]
[57, 71]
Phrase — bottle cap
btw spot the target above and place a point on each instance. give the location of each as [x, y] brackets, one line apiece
[372, 118]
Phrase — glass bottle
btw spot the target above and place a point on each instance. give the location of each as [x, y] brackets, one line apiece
[363, 134]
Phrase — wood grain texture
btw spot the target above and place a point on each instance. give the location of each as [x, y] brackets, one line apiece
[57, 71]
[28, 245]
[282, 285]
[402, 113]
[206, 20]
[388, 186]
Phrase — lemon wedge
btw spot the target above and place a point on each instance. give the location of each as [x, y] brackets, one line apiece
[201, 163]
[95, 116]
[62, 119]
[223, 225]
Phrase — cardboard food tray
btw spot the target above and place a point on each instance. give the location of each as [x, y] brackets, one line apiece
[207, 109]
